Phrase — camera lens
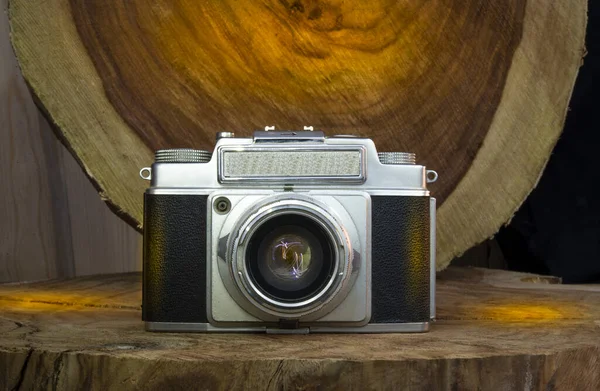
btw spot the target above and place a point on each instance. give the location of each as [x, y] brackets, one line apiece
[289, 255]
[290, 258]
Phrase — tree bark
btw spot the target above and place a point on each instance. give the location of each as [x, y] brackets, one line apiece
[495, 330]
[478, 89]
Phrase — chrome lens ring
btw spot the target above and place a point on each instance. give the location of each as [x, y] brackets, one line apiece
[278, 206]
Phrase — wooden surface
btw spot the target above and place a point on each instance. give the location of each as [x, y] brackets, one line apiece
[495, 331]
[52, 222]
[478, 89]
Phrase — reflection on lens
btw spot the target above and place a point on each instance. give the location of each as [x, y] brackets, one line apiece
[290, 257]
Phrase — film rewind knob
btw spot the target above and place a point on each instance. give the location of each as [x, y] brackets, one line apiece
[182, 156]
[396, 158]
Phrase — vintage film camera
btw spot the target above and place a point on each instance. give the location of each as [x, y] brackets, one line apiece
[288, 232]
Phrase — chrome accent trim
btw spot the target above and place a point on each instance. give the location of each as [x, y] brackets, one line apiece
[432, 255]
[208, 328]
[388, 192]
[419, 327]
[179, 191]
[199, 327]
[291, 179]
[297, 189]
[271, 135]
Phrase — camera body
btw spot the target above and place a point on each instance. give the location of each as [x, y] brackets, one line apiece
[288, 232]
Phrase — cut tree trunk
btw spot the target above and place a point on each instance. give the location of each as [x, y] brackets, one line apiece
[495, 330]
[478, 89]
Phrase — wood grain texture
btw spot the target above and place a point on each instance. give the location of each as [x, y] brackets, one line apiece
[52, 221]
[496, 331]
[478, 89]
[368, 68]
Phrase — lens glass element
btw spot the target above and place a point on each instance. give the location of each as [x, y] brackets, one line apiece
[290, 257]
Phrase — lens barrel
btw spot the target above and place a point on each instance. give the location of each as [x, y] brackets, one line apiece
[290, 258]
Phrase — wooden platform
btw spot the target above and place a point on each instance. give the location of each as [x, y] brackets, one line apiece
[495, 330]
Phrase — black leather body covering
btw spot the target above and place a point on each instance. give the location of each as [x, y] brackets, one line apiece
[400, 276]
[175, 258]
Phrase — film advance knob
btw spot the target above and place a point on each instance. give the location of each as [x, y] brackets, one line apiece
[396, 157]
[183, 155]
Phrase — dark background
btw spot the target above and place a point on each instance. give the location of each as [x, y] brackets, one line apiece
[557, 229]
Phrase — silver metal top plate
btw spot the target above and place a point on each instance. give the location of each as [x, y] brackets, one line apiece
[374, 177]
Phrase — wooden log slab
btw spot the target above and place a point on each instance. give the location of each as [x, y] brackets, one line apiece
[496, 330]
[478, 89]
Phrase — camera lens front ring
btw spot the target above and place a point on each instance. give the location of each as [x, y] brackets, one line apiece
[290, 257]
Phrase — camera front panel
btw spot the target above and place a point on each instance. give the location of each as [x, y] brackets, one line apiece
[174, 269]
[270, 265]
